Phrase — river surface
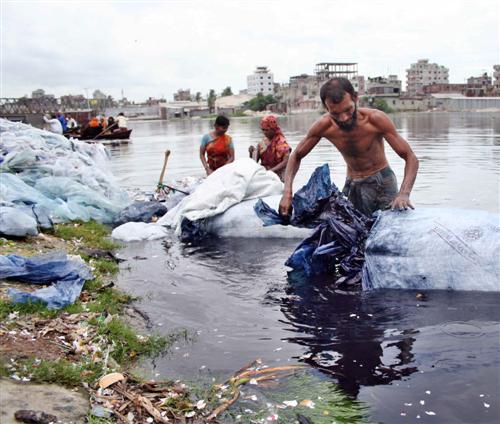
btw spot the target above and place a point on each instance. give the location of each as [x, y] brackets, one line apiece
[407, 359]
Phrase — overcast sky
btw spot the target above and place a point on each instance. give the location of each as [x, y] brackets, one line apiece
[153, 48]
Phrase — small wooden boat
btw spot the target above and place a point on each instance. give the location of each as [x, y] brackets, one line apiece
[115, 135]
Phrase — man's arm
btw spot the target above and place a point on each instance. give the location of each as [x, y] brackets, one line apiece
[231, 155]
[404, 151]
[303, 148]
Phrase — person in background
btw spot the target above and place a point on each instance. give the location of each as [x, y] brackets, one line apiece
[53, 124]
[272, 152]
[93, 128]
[71, 122]
[122, 121]
[111, 124]
[217, 146]
[62, 120]
[104, 122]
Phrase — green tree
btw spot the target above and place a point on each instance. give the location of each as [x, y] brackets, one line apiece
[382, 105]
[197, 97]
[211, 100]
[226, 92]
[260, 102]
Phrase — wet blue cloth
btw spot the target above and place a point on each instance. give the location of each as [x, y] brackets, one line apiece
[336, 247]
[66, 275]
[141, 212]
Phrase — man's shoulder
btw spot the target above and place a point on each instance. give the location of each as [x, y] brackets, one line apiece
[322, 125]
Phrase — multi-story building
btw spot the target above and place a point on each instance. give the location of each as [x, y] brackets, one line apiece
[424, 73]
[383, 87]
[182, 95]
[326, 70]
[359, 85]
[261, 81]
[479, 86]
[496, 79]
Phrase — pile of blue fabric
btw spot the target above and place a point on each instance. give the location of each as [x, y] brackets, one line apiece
[46, 178]
[336, 247]
[65, 274]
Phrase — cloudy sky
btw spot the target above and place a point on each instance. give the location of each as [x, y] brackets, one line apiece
[152, 48]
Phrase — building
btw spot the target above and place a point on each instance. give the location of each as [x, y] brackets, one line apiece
[228, 105]
[358, 82]
[182, 95]
[183, 109]
[261, 81]
[479, 86]
[327, 70]
[496, 79]
[98, 95]
[444, 88]
[38, 94]
[383, 87]
[424, 73]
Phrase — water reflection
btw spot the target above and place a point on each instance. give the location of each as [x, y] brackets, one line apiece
[342, 338]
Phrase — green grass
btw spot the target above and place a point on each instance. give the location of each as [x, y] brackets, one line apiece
[127, 344]
[91, 234]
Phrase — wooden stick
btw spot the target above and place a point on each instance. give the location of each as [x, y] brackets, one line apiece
[104, 130]
[167, 154]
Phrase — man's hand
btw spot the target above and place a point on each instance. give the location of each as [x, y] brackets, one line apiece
[401, 201]
[209, 171]
[285, 208]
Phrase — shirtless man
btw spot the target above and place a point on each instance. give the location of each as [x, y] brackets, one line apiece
[358, 134]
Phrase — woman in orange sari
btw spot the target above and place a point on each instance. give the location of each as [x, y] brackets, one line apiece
[273, 151]
[217, 146]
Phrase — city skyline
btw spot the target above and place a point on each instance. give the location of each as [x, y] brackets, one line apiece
[152, 49]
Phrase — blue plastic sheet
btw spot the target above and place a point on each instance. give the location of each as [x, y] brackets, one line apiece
[141, 212]
[66, 276]
[337, 245]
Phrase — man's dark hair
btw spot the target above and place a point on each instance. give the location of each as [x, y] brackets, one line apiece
[335, 90]
[222, 121]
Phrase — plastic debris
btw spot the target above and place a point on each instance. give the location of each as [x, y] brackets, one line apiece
[138, 231]
[69, 178]
[444, 249]
[14, 222]
[109, 379]
[141, 212]
[66, 274]
[227, 186]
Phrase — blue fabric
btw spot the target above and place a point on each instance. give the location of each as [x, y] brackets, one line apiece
[63, 122]
[141, 212]
[66, 275]
[336, 247]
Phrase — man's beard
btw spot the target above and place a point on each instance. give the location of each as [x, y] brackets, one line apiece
[349, 125]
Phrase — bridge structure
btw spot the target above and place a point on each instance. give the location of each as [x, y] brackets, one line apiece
[31, 111]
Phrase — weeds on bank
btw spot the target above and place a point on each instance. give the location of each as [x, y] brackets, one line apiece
[90, 234]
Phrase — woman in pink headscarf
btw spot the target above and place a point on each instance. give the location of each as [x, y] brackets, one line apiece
[273, 151]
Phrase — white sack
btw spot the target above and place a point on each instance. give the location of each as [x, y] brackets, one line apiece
[138, 231]
[241, 180]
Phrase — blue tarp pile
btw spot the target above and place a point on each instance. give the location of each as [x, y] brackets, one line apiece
[446, 249]
[67, 276]
[337, 244]
[46, 178]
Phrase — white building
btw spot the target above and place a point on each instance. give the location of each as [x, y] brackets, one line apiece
[261, 81]
[424, 73]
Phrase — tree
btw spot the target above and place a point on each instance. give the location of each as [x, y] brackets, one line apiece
[197, 97]
[211, 99]
[382, 105]
[226, 92]
[260, 102]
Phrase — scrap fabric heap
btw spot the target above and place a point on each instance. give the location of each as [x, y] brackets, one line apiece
[336, 246]
[46, 178]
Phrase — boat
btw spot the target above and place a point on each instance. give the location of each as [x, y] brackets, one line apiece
[115, 135]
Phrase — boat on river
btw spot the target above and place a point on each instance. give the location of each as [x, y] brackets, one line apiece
[114, 135]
